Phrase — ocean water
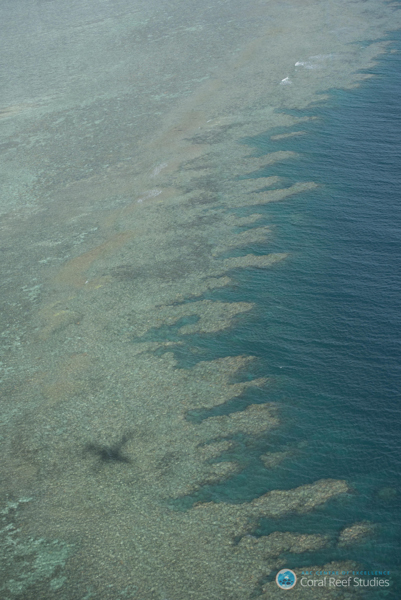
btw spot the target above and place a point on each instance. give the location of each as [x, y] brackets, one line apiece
[327, 327]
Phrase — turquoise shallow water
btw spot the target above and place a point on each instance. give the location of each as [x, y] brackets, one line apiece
[327, 325]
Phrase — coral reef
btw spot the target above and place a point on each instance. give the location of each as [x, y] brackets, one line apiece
[141, 204]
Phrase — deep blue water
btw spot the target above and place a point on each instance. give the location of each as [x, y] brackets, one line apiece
[327, 327]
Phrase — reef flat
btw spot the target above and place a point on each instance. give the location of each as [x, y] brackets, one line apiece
[131, 196]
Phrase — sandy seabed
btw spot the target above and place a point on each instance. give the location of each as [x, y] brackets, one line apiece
[126, 191]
